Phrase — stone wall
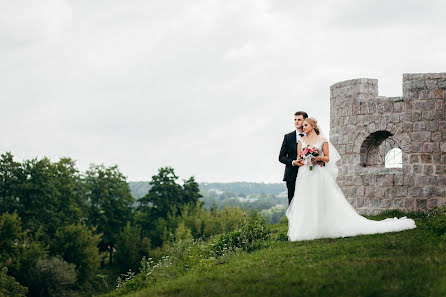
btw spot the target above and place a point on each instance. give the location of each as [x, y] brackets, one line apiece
[415, 122]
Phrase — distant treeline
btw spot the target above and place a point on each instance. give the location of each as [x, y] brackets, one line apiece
[141, 188]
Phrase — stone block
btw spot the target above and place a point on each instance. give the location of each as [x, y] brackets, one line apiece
[417, 169]
[409, 203]
[408, 180]
[370, 192]
[419, 105]
[417, 116]
[426, 192]
[374, 202]
[437, 191]
[419, 126]
[434, 180]
[414, 158]
[440, 169]
[432, 126]
[407, 169]
[439, 115]
[428, 169]
[384, 180]
[439, 94]
[426, 158]
[428, 115]
[401, 191]
[406, 116]
[443, 147]
[398, 106]
[436, 136]
[441, 84]
[421, 203]
[397, 203]
[421, 136]
[385, 203]
[414, 191]
[360, 202]
[421, 180]
[428, 147]
[388, 192]
[431, 203]
[360, 191]
[407, 126]
[398, 179]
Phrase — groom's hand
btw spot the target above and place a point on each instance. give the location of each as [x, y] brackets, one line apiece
[299, 163]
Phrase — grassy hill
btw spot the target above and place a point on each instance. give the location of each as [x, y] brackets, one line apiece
[408, 263]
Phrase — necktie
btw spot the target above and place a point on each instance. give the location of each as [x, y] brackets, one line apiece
[301, 135]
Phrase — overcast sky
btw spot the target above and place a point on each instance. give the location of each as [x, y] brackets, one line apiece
[207, 87]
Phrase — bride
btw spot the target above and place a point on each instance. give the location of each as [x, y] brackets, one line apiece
[319, 208]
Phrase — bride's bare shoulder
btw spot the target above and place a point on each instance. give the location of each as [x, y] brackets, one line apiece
[322, 139]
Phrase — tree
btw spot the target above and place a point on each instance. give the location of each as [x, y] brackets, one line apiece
[79, 245]
[110, 204]
[45, 195]
[191, 191]
[11, 177]
[130, 248]
[163, 194]
[18, 251]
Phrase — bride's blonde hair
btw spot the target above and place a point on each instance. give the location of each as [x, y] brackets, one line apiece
[313, 123]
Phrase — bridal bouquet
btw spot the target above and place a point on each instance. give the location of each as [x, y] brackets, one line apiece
[307, 154]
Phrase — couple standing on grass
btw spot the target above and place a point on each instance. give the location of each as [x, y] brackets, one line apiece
[317, 207]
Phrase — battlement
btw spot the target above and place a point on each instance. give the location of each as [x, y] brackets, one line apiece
[364, 127]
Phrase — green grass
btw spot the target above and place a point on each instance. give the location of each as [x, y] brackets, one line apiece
[408, 263]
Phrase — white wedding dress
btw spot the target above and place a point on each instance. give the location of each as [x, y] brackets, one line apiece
[320, 210]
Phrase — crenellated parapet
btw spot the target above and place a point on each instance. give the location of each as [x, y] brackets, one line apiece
[369, 131]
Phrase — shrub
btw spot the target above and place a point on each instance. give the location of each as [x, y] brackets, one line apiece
[52, 277]
[183, 255]
[9, 287]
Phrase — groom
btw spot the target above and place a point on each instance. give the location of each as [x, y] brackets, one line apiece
[288, 153]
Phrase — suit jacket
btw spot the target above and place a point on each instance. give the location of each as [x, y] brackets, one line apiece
[288, 153]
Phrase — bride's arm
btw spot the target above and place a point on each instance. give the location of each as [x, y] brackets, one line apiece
[325, 158]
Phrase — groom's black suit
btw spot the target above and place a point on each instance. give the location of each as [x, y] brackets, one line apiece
[288, 153]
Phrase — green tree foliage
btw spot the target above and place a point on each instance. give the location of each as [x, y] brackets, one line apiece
[52, 277]
[11, 177]
[45, 195]
[18, 251]
[78, 244]
[191, 191]
[9, 287]
[165, 195]
[110, 203]
[131, 248]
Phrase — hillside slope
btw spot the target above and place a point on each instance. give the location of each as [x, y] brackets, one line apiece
[408, 263]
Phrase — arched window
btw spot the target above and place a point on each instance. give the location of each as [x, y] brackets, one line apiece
[394, 158]
[379, 149]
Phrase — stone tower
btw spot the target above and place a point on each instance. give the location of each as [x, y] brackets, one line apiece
[365, 127]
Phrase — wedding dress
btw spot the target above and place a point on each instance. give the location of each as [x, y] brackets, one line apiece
[320, 210]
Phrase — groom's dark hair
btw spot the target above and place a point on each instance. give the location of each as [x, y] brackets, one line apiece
[302, 113]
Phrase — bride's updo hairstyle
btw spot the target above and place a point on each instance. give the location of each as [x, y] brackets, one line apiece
[313, 123]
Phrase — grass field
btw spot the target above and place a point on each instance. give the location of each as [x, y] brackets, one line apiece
[408, 263]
